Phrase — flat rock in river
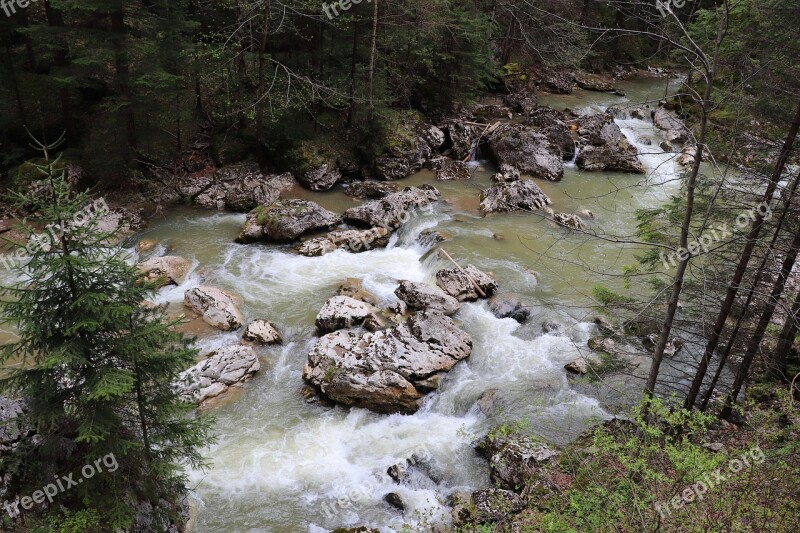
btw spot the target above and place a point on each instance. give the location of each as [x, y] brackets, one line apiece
[217, 307]
[286, 221]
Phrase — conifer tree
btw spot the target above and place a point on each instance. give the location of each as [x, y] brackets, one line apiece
[93, 361]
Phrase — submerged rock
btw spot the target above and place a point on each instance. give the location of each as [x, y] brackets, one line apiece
[379, 371]
[395, 501]
[509, 306]
[215, 375]
[262, 332]
[518, 195]
[458, 285]
[393, 210]
[422, 296]
[166, 270]
[217, 307]
[286, 220]
[569, 221]
[353, 241]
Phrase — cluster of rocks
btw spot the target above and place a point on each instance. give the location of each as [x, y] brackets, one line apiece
[518, 464]
[240, 187]
[286, 220]
[361, 361]
[412, 149]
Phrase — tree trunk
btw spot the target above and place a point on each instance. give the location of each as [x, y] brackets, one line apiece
[262, 61]
[788, 335]
[741, 268]
[372, 56]
[750, 295]
[55, 19]
[123, 74]
[14, 83]
[352, 108]
[766, 316]
[691, 183]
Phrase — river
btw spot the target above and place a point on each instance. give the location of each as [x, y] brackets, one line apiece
[285, 465]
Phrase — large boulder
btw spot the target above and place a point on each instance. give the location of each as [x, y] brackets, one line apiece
[514, 460]
[556, 82]
[342, 312]
[321, 178]
[518, 195]
[387, 371]
[493, 505]
[409, 146]
[215, 375]
[354, 241]
[166, 270]
[286, 221]
[459, 284]
[392, 210]
[604, 147]
[422, 296]
[667, 120]
[528, 150]
[217, 307]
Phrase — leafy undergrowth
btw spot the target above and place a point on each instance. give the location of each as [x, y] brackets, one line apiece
[629, 475]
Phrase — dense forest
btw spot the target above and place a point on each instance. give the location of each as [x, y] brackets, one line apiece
[389, 265]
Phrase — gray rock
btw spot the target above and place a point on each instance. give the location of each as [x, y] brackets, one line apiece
[262, 332]
[369, 189]
[514, 460]
[378, 371]
[215, 375]
[493, 505]
[456, 284]
[353, 241]
[286, 221]
[342, 312]
[577, 366]
[518, 195]
[453, 170]
[674, 345]
[506, 173]
[569, 221]
[509, 306]
[528, 150]
[11, 425]
[322, 178]
[551, 328]
[557, 82]
[490, 402]
[393, 210]
[395, 501]
[605, 147]
[217, 307]
[166, 270]
[422, 296]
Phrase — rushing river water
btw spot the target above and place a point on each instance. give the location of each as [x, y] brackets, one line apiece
[285, 465]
